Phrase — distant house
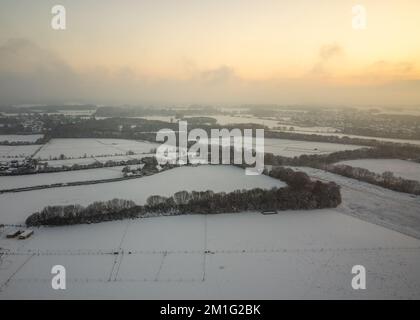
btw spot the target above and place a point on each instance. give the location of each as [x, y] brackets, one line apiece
[26, 234]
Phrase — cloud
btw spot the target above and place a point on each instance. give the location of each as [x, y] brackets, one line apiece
[22, 55]
[30, 74]
[330, 51]
[326, 54]
[219, 75]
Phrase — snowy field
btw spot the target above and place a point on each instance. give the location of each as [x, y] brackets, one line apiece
[393, 210]
[291, 148]
[77, 148]
[307, 255]
[20, 137]
[90, 160]
[400, 168]
[30, 180]
[271, 123]
[16, 207]
[291, 255]
[11, 152]
[295, 148]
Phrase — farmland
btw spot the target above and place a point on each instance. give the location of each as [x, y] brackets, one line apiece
[17, 152]
[22, 181]
[293, 254]
[216, 178]
[78, 148]
[215, 257]
[20, 138]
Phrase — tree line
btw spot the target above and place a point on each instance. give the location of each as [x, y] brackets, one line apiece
[301, 193]
[385, 180]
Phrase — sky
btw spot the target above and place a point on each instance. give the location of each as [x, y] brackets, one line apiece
[210, 52]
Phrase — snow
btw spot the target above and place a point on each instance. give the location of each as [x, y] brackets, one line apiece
[30, 180]
[290, 255]
[296, 148]
[20, 137]
[288, 148]
[401, 168]
[201, 178]
[82, 147]
[12, 152]
[90, 160]
[394, 210]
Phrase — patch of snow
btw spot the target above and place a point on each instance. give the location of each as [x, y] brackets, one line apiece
[92, 147]
[30, 180]
[20, 137]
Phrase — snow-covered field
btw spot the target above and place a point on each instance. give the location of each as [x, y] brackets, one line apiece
[295, 148]
[30, 180]
[401, 168]
[20, 137]
[77, 148]
[291, 148]
[10, 152]
[394, 210]
[294, 254]
[90, 160]
[16, 207]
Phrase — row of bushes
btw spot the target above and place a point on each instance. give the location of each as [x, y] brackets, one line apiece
[319, 160]
[386, 179]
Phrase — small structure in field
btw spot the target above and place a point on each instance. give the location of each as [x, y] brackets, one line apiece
[269, 211]
[26, 234]
[13, 233]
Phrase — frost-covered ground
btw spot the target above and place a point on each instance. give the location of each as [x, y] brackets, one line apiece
[20, 137]
[295, 148]
[16, 207]
[290, 148]
[90, 160]
[394, 210]
[400, 168]
[30, 180]
[242, 256]
[17, 152]
[92, 147]
[294, 254]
